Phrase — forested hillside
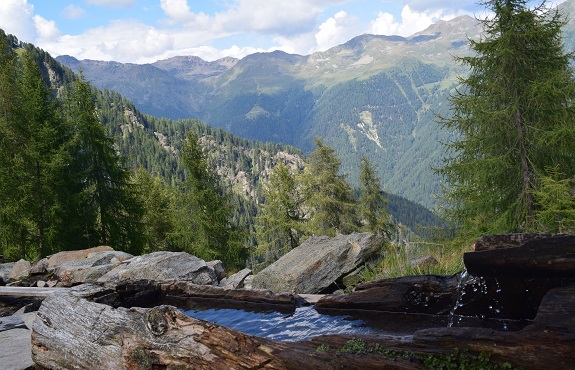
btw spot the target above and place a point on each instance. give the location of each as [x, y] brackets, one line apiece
[91, 169]
[374, 95]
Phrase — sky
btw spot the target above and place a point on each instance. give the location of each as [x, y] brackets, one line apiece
[144, 31]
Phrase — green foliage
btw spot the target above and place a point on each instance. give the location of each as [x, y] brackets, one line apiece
[323, 348]
[281, 223]
[555, 212]
[456, 360]
[514, 115]
[327, 195]
[158, 200]
[354, 345]
[372, 203]
[463, 360]
[62, 184]
[66, 184]
[204, 228]
[110, 211]
[397, 261]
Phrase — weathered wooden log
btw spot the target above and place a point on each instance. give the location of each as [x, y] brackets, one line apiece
[74, 333]
[179, 291]
[426, 294]
[552, 256]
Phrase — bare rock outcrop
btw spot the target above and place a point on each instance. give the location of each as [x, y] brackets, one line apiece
[317, 263]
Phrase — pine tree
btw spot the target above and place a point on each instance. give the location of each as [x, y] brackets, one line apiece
[514, 114]
[327, 195]
[281, 223]
[372, 203]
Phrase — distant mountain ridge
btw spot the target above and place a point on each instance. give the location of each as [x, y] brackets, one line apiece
[373, 95]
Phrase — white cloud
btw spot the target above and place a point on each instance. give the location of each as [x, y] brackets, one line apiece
[73, 12]
[112, 3]
[411, 21]
[16, 19]
[123, 41]
[177, 10]
[45, 29]
[336, 30]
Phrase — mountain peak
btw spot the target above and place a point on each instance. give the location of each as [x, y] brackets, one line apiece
[459, 27]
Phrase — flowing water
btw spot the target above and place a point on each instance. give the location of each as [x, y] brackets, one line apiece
[482, 299]
[304, 323]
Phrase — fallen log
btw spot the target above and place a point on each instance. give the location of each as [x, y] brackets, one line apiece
[71, 332]
[547, 257]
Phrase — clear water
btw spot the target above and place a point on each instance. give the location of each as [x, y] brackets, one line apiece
[303, 324]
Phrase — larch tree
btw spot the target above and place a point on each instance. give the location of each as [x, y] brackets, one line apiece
[110, 212]
[281, 222]
[327, 195]
[13, 229]
[372, 203]
[514, 117]
[204, 225]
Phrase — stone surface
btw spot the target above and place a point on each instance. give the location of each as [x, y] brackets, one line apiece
[106, 257]
[236, 281]
[218, 267]
[426, 294]
[162, 266]
[89, 269]
[5, 269]
[317, 263]
[248, 282]
[20, 270]
[15, 349]
[40, 267]
[67, 256]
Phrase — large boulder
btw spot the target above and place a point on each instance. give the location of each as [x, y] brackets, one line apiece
[89, 269]
[162, 266]
[317, 263]
[14, 271]
[67, 256]
[236, 281]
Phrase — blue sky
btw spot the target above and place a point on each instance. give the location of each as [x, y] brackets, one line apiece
[143, 31]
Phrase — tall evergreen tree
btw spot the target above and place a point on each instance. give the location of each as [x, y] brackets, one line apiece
[44, 139]
[13, 229]
[372, 203]
[158, 200]
[514, 114]
[109, 211]
[327, 195]
[281, 223]
[204, 228]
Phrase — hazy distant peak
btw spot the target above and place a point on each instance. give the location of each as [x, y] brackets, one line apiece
[462, 26]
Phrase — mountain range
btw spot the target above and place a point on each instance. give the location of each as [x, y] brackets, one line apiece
[377, 96]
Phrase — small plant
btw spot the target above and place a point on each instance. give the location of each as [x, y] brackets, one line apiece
[323, 348]
[463, 360]
[354, 345]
